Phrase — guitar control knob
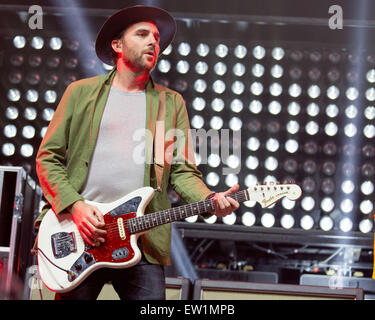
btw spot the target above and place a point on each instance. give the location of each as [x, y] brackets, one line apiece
[78, 267]
[88, 258]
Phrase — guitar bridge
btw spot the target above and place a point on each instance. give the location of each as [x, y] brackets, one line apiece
[63, 243]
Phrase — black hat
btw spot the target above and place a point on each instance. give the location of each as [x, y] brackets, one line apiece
[128, 16]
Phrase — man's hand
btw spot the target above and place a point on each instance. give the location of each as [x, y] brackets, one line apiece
[89, 220]
[225, 205]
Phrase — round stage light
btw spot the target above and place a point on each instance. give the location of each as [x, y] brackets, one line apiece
[164, 66]
[239, 69]
[212, 179]
[201, 67]
[11, 113]
[332, 110]
[240, 51]
[184, 48]
[346, 224]
[287, 221]
[277, 71]
[198, 103]
[221, 50]
[366, 225]
[217, 104]
[253, 143]
[248, 219]
[327, 204]
[10, 131]
[27, 150]
[308, 203]
[19, 42]
[230, 219]
[8, 149]
[307, 222]
[326, 223]
[267, 220]
[259, 52]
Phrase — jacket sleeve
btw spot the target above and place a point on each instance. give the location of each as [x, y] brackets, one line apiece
[50, 158]
[185, 178]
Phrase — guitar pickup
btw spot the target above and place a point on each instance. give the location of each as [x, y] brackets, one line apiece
[63, 243]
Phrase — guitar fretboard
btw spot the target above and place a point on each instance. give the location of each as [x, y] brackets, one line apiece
[148, 221]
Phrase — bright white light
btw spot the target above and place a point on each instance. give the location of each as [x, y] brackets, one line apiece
[239, 69]
[294, 108]
[367, 188]
[272, 144]
[351, 111]
[291, 145]
[331, 129]
[333, 92]
[213, 160]
[259, 52]
[278, 53]
[312, 109]
[240, 51]
[32, 95]
[347, 186]
[332, 110]
[287, 203]
[221, 50]
[370, 112]
[255, 106]
[230, 219]
[366, 206]
[256, 88]
[203, 49]
[198, 103]
[184, 48]
[55, 43]
[370, 94]
[235, 124]
[277, 71]
[212, 179]
[37, 43]
[295, 90]
[14, 95]
[200, 85]
[220, 68]
[197, 122]
[370, 76]
[326, 223]
[275, 89]
[216, 123]
[28, 132]
[10, 131]
[257, 70]
[292, 127]
[182, 66]
[192, 219]
[201, 67]
[217, 104]
[312, 128]
[236, 105]
[350, 130]
[253, 143]
[274, 107]
[369, 131]
[308, 203]
[164, 66]
[267, 220]
[346, 224]
[327, 204]
[352, 93]
[252, 162]
[307, 222]
[8, 149]
[313, 91]
[218, 86]
[238, 87]
[287, 221]
[11, 113]
[251, 180]
[365, 226]
[271, 163]
[27, 150]
[248, 219]
[211, 220]
[19, 42]
[50, 96]
[346, 205]
[167, 50]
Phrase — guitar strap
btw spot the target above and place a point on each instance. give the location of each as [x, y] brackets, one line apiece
[159, 140]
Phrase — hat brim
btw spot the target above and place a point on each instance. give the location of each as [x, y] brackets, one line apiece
[128, 16]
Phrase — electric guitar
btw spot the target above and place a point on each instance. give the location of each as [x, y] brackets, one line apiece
[65, 259]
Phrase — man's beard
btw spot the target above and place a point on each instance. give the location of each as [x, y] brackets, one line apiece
[136, 61]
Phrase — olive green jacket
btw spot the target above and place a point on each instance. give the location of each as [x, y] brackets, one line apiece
[65, 153]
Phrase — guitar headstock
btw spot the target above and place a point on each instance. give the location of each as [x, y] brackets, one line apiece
[270, 193]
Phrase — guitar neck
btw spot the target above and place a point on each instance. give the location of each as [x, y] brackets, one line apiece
[155, 219]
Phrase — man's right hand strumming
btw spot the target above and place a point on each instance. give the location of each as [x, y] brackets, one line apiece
[89, 220]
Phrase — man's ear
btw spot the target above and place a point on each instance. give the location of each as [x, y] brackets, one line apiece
[116, 45]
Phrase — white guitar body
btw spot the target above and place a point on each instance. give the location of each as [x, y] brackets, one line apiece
[52, 224]
[65, 260]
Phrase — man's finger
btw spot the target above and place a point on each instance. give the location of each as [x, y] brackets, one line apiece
[233, 189]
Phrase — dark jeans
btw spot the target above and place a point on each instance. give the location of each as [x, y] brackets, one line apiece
[143, 281]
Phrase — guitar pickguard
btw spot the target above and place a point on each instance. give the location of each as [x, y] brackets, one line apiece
[127, 207]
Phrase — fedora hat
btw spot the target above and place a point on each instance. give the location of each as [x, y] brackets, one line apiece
[128, 16]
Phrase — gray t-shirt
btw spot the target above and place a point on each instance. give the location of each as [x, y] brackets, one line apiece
[117, 165]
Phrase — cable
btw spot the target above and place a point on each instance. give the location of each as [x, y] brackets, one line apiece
[69, 272]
